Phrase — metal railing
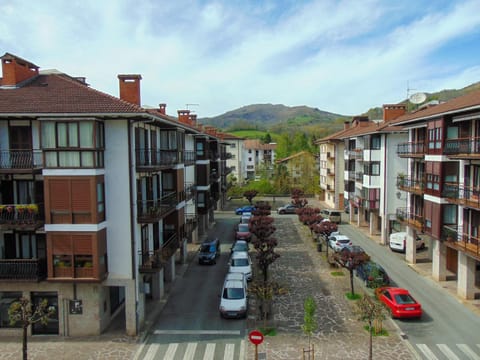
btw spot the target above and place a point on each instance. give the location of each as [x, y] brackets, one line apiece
[23, 269]
[467, 146]
[411, 148]
[21, 159]
[154, 210]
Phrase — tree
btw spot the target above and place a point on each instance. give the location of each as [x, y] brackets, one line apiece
[249, 195]
[266, 291]
[25, 313]
[350, 260]
[309, 321]
[371, 312]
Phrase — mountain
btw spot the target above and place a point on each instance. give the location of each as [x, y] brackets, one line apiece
[279, 118]
[268, 116]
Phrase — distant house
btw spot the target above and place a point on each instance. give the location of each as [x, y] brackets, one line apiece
[299, 166]
[257, 156]
[235, 155]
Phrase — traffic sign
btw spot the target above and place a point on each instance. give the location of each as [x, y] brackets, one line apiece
[255, 337]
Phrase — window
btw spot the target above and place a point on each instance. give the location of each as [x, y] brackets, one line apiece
[6, 299]
[450, 214]
[433, 182]
[435, 138]
[100, 197]
[233, 145]
[372, 168]
[200, 150]
[375, 142]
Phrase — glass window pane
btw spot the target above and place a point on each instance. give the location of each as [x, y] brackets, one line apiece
[62, 134]
[51, 159]
[86, 135]
[87, 158]
[73, 134]
[69, 159]
[48, 135]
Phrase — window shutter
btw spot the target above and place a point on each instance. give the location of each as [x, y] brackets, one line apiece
[81, 195]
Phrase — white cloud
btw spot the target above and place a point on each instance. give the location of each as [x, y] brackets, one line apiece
[343, 57]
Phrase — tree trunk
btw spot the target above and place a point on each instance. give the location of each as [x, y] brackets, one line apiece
[351, 282]
[24, 343]
[370, 342]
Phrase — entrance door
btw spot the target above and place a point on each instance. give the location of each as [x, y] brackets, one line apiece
[51, 328]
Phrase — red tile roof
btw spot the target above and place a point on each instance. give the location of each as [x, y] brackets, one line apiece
[59, 93]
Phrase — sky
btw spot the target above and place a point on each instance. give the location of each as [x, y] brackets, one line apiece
[211, 56]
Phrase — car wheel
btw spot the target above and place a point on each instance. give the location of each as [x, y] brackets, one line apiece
[281, 212]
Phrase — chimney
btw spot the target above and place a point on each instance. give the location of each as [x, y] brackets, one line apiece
[183, 116]
[192, 119]
[130, 88]
[346, 125]
[163, 108]
[15, 70]
[391, 112]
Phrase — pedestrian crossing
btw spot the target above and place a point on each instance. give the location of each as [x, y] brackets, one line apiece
[450, 352]
[195, 351]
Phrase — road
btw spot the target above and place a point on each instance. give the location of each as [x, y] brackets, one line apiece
[190, 326]
[447, 329]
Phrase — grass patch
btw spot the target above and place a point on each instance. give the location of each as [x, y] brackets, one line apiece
[382, 332]
[351, 296]
[337, 273]
[268, 331]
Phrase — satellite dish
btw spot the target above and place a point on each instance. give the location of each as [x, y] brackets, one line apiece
[417, 98]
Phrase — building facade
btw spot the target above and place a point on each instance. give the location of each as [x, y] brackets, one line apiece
[98, 197]
[258, 157]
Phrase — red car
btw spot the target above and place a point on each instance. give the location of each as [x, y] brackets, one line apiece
[400, 303]
[243, 233]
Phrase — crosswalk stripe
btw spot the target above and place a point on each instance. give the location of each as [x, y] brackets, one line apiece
[209, 352]
[197, 332]
[190, 352]
[242, 350]
[229, 351]
[427, 352]
[469, 352]
[172, 349]
[152, 351]
[448, 353]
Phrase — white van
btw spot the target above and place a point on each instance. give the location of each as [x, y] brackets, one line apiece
[233, 300]
[398, 241]
[332, 215]
[240, 262]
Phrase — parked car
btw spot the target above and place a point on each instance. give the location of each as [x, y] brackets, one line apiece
[337, 242]
[241, 262]
[287, 209]
[209, 251]
[354, 249]
[243, 232]
[238, 277]
[332, 215]
[399, 302]
[233, 299]
[244, 209]
[398, 241]
[240, 245]
[372, 274]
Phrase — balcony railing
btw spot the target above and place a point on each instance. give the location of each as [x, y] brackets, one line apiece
[189, 191]
[462, 148]
[189, 157]
[371, 204]
[156, 158]
[21, 216]
[359, 177]
[410, 184]
[23, 269]
[411, 149]
[154, 260]
[20, 160]
[410, 218]
[153, 210]
[462, 195]
[456, 239]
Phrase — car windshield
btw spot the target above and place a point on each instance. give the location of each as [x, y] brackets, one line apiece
[239, 262]
[343, 241]
[240, 246]
[207, 248]
[243, 227]
[233, 293]
[404, 299]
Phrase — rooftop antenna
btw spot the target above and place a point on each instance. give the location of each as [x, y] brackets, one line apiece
[187, 105]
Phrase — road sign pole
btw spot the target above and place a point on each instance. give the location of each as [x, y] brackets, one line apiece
[256, 352]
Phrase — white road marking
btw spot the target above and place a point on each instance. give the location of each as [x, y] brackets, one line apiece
[427, 352]
[448, 353]
[190, 352]
[197, 332]
[172, 349]
[152, 351]
[229, 351]
[469, 352]
[209, 352]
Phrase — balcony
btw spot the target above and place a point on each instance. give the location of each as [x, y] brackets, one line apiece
[155, 159]
[27, 217]
[462, 195]
[371, 204]
[355, 153]
[460, 241]
[411, 149]
[152, 261]
[411, 219]
[330, 155]
[411, 185]
[23, 269]
[189, 157]
[151, 211]
[468, 148]
[189, 191]
[20, 161]
[330, 172]
[359, 177]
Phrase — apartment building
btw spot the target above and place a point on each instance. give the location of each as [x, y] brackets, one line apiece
[98, 197]
[368, 160]
[442, 183]
[235, 151]
[258, 157]
[300, 166]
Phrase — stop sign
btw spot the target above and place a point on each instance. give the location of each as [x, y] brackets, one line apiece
[255, 337]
